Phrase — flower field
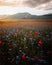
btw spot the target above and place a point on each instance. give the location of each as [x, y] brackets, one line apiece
[25, 47]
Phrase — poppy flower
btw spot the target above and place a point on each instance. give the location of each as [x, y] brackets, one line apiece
[12, 61]
[40, 42]
[9, 52]
[1, 42]
[8, 43]
[23, 57]
[36, 33]
[36, 58]
[32, 34]
[51, 39]
[48, 52]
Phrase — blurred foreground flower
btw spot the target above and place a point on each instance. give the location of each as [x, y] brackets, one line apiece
[1, 42]
[36, 33]
[36, 58]
[40, 42]
[23, 56]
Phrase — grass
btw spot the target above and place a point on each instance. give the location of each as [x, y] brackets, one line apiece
[25, 42]
[25, 46]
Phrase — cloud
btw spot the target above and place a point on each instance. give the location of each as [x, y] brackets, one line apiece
[34, 3]
[3, 3]
[38, 4]
[45, 6]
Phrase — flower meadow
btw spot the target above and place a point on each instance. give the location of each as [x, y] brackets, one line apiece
[25, 47]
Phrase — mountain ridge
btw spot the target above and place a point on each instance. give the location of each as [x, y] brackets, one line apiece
[28, 16]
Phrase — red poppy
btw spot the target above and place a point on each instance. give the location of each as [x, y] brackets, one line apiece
[8, 43]
[9, 52]
[36, 33]
[51, 39]
[14, 47]
[48, 52]
[23, 57]
[36, 58]
[1, 42]
[32, 34]
[12, 61]
[40, 42]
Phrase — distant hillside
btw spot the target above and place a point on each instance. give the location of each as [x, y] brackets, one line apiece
[3, 16]
[28, 16]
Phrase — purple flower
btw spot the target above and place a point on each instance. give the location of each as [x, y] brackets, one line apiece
[17, 58]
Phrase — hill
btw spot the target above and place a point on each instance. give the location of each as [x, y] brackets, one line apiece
[28, 16]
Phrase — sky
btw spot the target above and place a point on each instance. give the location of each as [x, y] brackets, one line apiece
[35, 7]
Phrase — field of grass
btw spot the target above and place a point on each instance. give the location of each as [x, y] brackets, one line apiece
[29, 24]
[25, 42]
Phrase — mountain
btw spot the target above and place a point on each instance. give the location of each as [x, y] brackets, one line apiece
[19, 16]
[28, 16]
[3, 16]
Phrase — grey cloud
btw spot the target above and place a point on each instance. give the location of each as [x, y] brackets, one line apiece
[45, 6]
[29, 3]
[34, 3]
[48, 6]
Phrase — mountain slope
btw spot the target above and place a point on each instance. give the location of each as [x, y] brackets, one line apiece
[3, 16]
[28, 16]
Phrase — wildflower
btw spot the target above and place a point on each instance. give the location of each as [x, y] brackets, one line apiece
[20, 51]
[13, 59]
[36, 58]
[40, 42]
[31, 39]
[9, 52]
[26, 47]
[48, 52]
[36, 33]
[28, 58]
[1, 42]
[15, 34]
[24, 38]
[8, 43]
[23, 57]
[32, 35]
[17, 58]
[47, 36]
[10, 49]
[30, 32]
[51, 38]
[14, 47]
[42, 61]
